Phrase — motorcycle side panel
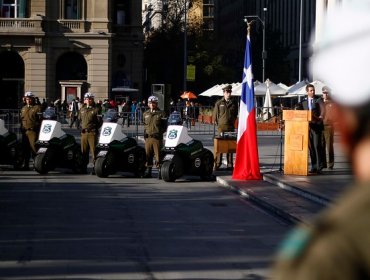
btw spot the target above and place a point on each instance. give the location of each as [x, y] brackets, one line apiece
[176, 135]
[50, 129]
[3, 129]
[111, 132]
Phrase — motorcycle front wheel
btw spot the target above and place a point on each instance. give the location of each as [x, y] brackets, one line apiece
[40, 163]
[102, 168]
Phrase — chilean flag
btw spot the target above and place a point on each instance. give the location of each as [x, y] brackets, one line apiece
[247, 165]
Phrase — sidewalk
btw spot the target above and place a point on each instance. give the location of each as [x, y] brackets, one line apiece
[294, 198]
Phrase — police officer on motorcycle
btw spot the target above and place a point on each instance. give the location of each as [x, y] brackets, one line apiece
[154, 127]
[30, 127]
[90, 123]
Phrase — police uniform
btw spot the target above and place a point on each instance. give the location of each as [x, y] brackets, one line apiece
[328, 133]
[153, 134]
[90, 124]
[339, 239]
[337, 244]
[224, 114]
[30, 127]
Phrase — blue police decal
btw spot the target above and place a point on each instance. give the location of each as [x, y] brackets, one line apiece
[172, 134]
[107, 131]
[46, 129]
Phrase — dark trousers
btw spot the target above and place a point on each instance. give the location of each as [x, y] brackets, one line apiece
[316, 149]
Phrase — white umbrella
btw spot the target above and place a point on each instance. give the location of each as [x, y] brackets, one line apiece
[267, 111]
[302, 90]
[211, 91]
[274, 89]
[284, 86]
[297, 86]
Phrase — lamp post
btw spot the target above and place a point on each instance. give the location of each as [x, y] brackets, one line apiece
[185, 44]
[300, 42]
[264, 53]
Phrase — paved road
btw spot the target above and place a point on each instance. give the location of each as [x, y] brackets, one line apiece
[64, 226]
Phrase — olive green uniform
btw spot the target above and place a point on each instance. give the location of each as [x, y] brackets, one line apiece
[328, 133]
[153, 135]
[336, 247]
[224, 114]
[30, 126]
[90, 124]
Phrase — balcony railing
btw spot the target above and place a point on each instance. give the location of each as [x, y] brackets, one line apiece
[20, 25]
[74, 26]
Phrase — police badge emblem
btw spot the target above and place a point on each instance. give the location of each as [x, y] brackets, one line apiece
[46, 129]
[172, 134]
[107, 131]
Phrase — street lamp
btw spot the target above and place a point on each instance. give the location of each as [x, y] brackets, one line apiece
[264, 53]
[185, 45]
[300, 42]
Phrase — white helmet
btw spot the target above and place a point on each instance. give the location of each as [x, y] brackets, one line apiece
[88, 95]
[341, 58]
[153, 98]
[29, 94]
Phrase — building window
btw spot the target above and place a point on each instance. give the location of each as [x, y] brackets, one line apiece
[208, 11]
[122, 11]
[72, 9]
[13, 8]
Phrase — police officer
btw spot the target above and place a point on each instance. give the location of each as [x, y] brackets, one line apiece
[154, 127]
[224, 115]
[30, 126]
[337, 245]
[90, 122]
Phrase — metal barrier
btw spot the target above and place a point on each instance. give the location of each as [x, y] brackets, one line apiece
[199, 122]
[11, 119]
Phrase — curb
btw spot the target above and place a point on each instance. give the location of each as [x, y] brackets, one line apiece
[271, 178]
[250, 195]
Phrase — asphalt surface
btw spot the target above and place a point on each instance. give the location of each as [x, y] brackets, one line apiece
[66, 226]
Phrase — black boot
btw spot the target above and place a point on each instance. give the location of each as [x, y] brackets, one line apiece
[148, 172]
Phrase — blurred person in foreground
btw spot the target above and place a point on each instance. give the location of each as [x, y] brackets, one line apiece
[337, 244]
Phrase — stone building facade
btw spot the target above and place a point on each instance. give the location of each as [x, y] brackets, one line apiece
[61, 49]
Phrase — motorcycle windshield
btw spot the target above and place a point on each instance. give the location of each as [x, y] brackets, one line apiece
[110, 116]
[49, 114]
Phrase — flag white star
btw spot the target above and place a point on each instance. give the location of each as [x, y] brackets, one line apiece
[248, 76]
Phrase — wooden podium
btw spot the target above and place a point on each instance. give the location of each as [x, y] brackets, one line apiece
[224, 145]
[296, 141]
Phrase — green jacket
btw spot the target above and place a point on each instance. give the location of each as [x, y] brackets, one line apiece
[154, 122]
[30, 117]
[89, 118]
[224, 114]
[336, 246]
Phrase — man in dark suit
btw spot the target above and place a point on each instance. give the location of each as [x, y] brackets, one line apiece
[316, 106]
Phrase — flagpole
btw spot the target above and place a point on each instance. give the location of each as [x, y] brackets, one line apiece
[247, 161]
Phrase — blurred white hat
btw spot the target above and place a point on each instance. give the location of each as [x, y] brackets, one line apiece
[153, 98]
[342, 57]
[88, 95]
[29, 94]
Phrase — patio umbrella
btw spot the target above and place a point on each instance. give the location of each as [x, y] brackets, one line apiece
[267, 111]
[188, 95]
[261, 89]
[300, 88]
